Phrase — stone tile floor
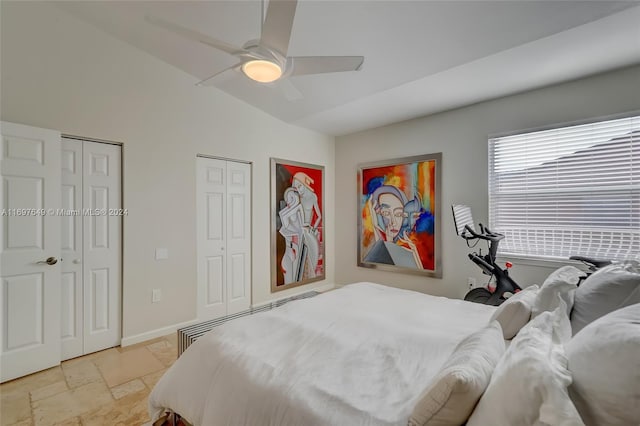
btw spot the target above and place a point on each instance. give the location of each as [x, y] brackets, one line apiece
[109, 387]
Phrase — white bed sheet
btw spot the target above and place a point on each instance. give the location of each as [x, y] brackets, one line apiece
[360, 355]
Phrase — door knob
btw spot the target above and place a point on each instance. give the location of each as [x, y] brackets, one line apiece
[49, 261]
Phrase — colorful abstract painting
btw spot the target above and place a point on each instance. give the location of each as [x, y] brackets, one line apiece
[297, 224]
[399, 215]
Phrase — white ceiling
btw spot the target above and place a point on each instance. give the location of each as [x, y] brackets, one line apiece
[421, 57]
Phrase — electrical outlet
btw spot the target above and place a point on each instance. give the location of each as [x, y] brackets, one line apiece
[471, 282]
[156, 295]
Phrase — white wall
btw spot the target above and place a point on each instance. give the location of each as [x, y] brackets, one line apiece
[461, 136]
[60, 73]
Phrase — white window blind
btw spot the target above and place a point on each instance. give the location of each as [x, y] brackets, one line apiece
[568, 191]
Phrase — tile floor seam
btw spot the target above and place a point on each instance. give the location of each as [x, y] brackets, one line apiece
[164, 356]
[158, 359]
[65, 377]
[102, 377]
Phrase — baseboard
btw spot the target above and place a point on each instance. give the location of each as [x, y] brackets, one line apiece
[326, 287]
[319, 289]
[159, 332]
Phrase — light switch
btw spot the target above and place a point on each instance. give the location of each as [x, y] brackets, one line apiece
[162, 253]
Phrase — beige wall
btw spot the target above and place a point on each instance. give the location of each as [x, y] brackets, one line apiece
[461, 136]
[60, 73]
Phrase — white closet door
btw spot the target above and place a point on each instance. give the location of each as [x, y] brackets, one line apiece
[71, 224]
[101, 245]
[211, 229]
[238, 237]
[30, 293]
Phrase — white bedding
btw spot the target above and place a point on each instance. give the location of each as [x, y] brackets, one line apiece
[360, 355]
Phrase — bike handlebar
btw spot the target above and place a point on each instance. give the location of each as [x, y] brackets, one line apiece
[598, 263]
[487, 234]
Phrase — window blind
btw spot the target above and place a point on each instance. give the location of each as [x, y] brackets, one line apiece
[568, 191]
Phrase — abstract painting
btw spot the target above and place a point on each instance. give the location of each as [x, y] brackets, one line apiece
[399, 215]
[297, 224]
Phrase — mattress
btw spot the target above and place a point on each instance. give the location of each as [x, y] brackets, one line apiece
[360, 355]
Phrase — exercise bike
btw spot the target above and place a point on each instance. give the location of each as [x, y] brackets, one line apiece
[503, 282]
[592, 265]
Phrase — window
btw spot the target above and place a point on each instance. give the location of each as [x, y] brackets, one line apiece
[568, 191]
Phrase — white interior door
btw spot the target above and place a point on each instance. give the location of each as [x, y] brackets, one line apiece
[71, 224]
[211, 235]
[238, 237]
[102, 234]
[30, 293]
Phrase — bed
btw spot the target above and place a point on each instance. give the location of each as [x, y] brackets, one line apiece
[366, 354]
[357, 355]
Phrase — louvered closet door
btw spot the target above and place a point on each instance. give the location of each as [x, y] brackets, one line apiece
[30, 287]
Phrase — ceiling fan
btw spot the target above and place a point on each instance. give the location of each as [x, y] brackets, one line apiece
[265, 60]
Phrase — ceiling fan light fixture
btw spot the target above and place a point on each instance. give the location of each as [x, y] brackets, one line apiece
[262, 71]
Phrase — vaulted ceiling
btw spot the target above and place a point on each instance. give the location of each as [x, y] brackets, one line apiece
[420, 56]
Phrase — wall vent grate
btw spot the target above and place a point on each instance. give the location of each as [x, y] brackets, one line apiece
[188, 335]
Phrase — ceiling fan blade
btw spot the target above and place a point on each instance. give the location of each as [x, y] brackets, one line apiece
[290, 92]
[276, 30]
[194, 35]
[303, 65]
[212, 80]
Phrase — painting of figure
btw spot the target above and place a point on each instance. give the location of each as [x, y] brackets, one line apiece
[297, 224]
[398, 218]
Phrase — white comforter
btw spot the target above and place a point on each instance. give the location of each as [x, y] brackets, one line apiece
[360, 355]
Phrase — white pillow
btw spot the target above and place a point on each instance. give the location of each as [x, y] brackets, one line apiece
[515, 312]
[461, 381]
[604, 359]
[608, 289]
[560, 284]
[529, 384]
